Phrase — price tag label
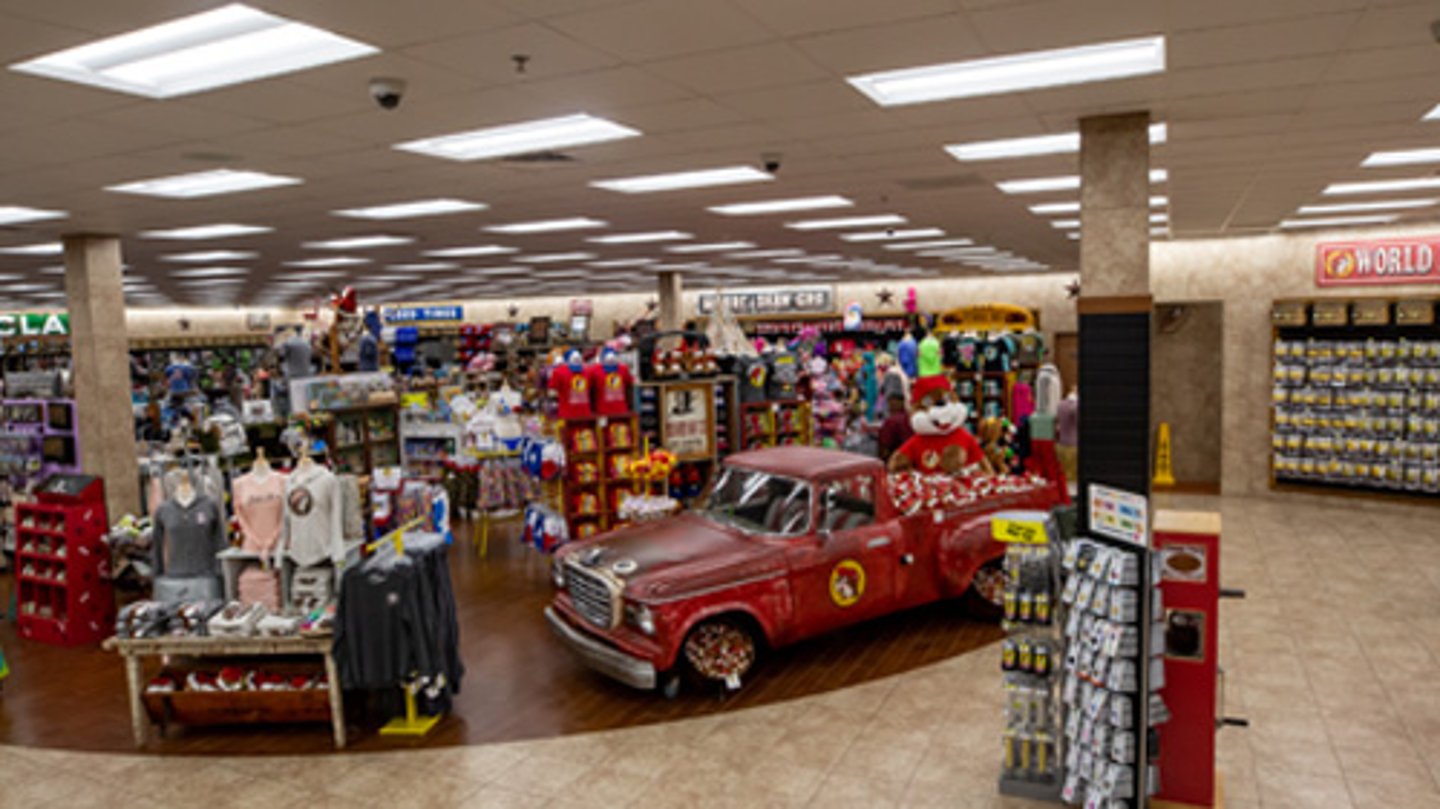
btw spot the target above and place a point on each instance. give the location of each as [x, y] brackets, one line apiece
[1019, 532]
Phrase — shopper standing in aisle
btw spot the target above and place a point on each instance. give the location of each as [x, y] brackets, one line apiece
[1067, 435]
[896, 429]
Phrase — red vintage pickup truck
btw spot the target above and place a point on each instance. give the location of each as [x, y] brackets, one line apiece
[793, 542]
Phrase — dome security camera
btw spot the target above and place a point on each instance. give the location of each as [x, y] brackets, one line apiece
[771, 162]
[387, 92]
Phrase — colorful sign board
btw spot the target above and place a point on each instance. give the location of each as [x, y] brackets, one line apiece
[1383, 261]
[1120, 515]
[422, 314]
[777, 301]
[41, 324]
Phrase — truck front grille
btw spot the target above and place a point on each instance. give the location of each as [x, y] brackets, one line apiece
[593, 596]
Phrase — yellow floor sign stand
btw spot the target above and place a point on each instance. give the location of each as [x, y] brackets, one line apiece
[1164, 470]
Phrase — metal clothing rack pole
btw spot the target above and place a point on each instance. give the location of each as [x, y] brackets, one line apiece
[412, 724]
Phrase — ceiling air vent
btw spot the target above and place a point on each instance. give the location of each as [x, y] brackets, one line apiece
[538, 160]
[943, 182]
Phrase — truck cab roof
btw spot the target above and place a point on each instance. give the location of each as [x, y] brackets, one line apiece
[805, 463]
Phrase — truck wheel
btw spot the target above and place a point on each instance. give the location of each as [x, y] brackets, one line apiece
[985, 598]
[721, 650]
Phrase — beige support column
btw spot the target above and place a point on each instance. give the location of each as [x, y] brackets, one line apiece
[1115, 205]
[100, 355]
[671, 301]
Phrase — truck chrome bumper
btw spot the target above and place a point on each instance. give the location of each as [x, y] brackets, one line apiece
[607, 660]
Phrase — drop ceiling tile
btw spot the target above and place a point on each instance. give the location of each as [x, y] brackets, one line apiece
[387, 24]
[1379, 63]
[1342, 94]
[602, 92]
[1035, 26]
[179, 119]
[1201, 81]
[887, 47]
[1261, 42]
[487, 56]
[351, 79]
[655, 29]
[759, 136]
[541, 9]
[799, 101]
[734, 69]
[1403, 25]
[1184, 14]
[680, 116]
[796, 17]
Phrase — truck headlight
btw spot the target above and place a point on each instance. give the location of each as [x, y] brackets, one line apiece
[557, 574]
[640, 617]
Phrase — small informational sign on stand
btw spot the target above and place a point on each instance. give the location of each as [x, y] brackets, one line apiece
[1120, 515]
[687, 421]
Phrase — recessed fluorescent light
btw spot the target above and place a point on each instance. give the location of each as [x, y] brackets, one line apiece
[1052, 208]
[549, 225]
[1022, 71]
[1402, 157]
[1063, 143]
[548, 258]
[1157, 218]
[28, 288]
[209, 272]
[359, 242]
[1338, 221]
[704, 178]
[309, 276]
[523, 138]
[890, 235]
[779, 253]
[1360, 207]
[1165, 231]
[1433, 114]
[329, 261]
[1070, 182]
[228, 45]
[1382, 186]
[959, 251]
[713, 247]
[424, 266]
[203, 256]
[692, 265]
[58, 269]
[1065, 224]
[623, 262]
[876, 220]
[205, 232]
[407, 210]
[43, 249]
[511, 270]
[927, 245]
[781, 205]
[19, 214]
[640, 238]
[808, 259]
[470, 252]
[204, 184]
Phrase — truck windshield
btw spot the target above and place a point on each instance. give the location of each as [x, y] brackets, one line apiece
[760, 502]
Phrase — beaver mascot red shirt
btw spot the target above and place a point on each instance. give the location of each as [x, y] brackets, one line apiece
[941, 443]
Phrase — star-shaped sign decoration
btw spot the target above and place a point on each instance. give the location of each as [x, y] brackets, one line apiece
[1072, 289]
[513, 310]
[885, 296]
[184, 323]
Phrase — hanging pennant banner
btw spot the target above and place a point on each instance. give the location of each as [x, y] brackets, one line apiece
[1369, 263]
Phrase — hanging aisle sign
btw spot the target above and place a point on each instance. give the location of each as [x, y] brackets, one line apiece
[1385, 261]
[35, 324]
[422, 314]
[777, 301]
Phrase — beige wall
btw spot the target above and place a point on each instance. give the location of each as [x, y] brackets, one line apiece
[1187, 387]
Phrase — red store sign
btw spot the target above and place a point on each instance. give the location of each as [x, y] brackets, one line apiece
[1389, 261]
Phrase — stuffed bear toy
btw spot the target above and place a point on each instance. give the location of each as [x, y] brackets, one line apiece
[941, 444]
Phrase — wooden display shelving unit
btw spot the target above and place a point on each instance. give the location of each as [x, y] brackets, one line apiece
[363, 437]
[62, 569]
[776, 423]
[598, 452]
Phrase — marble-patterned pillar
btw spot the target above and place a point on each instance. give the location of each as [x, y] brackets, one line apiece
[100, 356]
[1114, 307]
[672, 312]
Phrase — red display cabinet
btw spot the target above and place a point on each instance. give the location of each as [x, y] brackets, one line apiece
[63, 564]
[1187, 544]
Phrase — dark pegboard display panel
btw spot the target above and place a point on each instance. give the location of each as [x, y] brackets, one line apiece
[1115, 401]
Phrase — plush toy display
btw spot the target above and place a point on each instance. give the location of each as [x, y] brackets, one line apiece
[941, 443]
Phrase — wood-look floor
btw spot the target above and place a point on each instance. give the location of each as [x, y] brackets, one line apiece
[520, 683]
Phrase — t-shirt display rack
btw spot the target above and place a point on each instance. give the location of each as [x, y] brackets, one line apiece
[775, 423]
[1356, 397]
[598, 453]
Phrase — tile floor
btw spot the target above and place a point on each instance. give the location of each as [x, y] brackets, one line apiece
[1331, 657]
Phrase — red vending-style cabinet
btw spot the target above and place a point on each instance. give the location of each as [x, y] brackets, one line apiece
[63, 564]
[1187, 547]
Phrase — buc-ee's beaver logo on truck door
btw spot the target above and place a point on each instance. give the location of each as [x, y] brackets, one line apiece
[847, 583]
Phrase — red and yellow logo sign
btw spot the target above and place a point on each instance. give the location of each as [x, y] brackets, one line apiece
[847, 583]
[1340, 263]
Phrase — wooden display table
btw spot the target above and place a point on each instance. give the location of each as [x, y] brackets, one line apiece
[134, 650]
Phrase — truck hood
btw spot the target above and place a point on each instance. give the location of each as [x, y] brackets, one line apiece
[677, 556]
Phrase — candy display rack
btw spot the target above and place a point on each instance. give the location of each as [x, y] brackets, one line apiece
[62, 563]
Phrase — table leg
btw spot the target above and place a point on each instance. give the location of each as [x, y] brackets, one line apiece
[337, 702]
[139, 722]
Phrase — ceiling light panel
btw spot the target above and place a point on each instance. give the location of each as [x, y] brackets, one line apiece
[782, 205]
[1382, 186]
[1361, 207]
[623, 262]
[838, 223]
[228, 45]
[930, 245]
[424, 266]
[205, 256]
[1034, 146]
[471, 251]
[891, 235]
[359, 242]
[523, 138]
[1016, 72]
[209, 272]
[19, 215]
[1069, 182]
[1073, 207]
[549, 225]
[204, 184]
[550, 258]
[1338, 221]
[788, 252]
[703, 178]
[329, 261]
[713, 247]
[42, 249]
[641, 238]
[1402, 157]
[414, 209]
[197, 232]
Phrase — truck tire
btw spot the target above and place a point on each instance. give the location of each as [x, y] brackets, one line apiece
[721, 650]
[985, 597]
